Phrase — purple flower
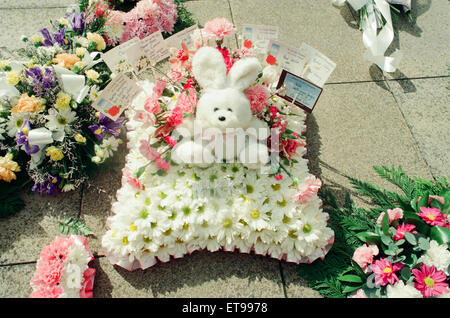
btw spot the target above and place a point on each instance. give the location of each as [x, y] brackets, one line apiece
[78, 23]
[47, 37]
[43, 81]
[60, 37]
[49, 186]
[22, 139]
[107, 126]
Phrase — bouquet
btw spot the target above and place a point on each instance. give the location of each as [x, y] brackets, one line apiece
[168, 209]
[46, 119]
[62, 270]
[124, 20]
[398, 249]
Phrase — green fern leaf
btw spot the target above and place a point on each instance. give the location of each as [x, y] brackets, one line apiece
[74, 226]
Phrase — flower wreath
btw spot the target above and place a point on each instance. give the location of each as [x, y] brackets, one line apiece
[165, 209]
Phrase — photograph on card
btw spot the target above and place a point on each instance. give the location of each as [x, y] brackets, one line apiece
[298, 91]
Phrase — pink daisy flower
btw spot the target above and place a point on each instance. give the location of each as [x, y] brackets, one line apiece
[402, 229]
[432, 216]
[385, 271]
[429, 281]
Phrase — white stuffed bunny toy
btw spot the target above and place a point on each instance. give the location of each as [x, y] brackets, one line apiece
[224, 128]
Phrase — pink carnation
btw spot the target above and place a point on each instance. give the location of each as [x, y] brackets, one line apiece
[170, 141]
[258, 96]
[145, 9]
[162, 164]
[151, 104]
[359, 294]
[364, 254]
[159, 87]
[176, 118]
[394, 214]
[187, 102]
[385, 271]
[148, 151]
[52, 292]
[218, 28]
[307, 189]
[130, 179]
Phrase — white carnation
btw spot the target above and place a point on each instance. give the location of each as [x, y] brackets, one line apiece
[400, 290]
[437, 255]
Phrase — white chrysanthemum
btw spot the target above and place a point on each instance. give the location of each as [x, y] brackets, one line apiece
[400, 290]
[109, 146]
[257, 217]
[15, 122]
[437, 255]
[79, 256]
[72, 277]
[59, 120]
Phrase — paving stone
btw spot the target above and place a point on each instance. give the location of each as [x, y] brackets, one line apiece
[22, 4]
[15, 280]
[425, 105]
[295, 285]
[201, 274]
[25, 234]
[36, 19]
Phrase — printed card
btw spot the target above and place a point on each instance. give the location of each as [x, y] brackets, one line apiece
[147, 52]
[116, 96]
[116, 58]
[288, 57]
[299, 91]
[260, 35]
[184, 35]
[318, 67]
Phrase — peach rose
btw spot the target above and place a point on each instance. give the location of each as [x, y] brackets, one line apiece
[363, 255]
[66, 60]
[7, 168]
[31, 104]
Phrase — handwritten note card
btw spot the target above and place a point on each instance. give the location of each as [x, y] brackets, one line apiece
[118, 55]
[260, 35]
[318, 67]
[115, 98]
[288, 57]
[185, 36]
[147, 52]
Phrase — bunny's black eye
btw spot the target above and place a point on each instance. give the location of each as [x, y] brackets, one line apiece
[216, 109]
[230, 110]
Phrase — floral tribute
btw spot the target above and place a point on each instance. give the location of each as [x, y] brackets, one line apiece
[398, 249]
[48, 129]
[62, 270]
[165, 210]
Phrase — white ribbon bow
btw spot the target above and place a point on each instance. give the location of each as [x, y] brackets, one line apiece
[41, 137]
[376, 42]
[74, 84]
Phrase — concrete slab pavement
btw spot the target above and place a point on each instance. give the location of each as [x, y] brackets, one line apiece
[363, 118]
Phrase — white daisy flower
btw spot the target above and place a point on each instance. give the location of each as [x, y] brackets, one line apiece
[59, 120]
[15, 122]
[109, 146]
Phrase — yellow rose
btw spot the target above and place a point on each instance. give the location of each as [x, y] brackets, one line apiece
[98, 39]
[79, 138]
[28, 104]
[37, 39]
[54, 153]
[13, 78]
[4, 64]
[80, 51]
[92, 75]
[62, 101]
[8, 167]
[63, 21]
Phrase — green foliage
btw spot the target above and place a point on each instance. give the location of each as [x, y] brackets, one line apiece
[74, 226]
[337, 275]
[83, 4]
[10, 201]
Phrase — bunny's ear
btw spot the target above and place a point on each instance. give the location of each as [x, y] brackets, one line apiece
[209, 68]
[243, 73]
